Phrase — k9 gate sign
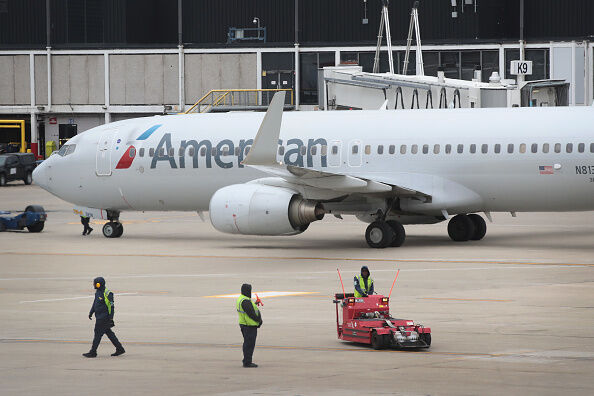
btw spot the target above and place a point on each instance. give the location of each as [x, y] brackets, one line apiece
[521, 68]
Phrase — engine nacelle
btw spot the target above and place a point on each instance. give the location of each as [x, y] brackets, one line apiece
[255, 209]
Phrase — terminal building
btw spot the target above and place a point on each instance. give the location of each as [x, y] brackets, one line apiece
[70, 65]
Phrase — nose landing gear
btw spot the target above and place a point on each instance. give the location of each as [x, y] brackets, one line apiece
[113, 228]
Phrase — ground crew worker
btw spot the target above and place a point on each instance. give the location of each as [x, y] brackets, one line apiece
[363, 283]
[104, 310]
[85, 222]
[250, 321]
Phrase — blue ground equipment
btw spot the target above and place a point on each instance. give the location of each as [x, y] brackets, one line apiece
[33, 218]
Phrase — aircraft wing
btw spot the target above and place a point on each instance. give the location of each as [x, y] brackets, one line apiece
[262, 156]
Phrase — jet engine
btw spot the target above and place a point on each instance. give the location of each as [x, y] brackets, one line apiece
[255, 209]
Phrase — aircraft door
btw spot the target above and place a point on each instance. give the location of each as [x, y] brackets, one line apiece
[355, 153]
[335, 153]
[104, 153]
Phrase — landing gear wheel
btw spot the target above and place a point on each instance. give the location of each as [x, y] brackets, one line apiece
[109, 230]
[36, 227]
[461, 228]
[377, 341]
[28, 178]
[119, 230]
[399, 233]
[480, 227]
[379, 235]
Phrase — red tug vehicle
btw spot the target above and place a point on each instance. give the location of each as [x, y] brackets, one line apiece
[367, 320]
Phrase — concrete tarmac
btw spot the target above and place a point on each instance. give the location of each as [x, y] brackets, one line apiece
[512, 314]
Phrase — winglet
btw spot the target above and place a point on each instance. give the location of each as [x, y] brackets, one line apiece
[265, 146]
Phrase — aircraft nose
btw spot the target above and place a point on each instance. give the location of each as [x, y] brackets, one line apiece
[41, 175]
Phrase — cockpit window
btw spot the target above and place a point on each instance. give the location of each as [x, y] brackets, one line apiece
[67, 149]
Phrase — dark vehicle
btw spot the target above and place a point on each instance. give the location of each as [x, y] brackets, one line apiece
[17, 166]
[33, 218]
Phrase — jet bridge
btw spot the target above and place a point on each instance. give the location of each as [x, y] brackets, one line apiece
[348, 87]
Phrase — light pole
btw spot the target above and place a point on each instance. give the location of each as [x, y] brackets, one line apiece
[256, 21]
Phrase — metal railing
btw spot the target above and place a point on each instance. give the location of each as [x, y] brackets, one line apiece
[237, 99]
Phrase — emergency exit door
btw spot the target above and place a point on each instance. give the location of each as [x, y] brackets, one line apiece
[104, 153]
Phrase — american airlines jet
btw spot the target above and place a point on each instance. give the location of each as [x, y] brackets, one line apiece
[275, 173]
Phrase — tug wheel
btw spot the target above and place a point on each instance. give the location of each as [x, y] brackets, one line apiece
[426, 338]
[377, 341]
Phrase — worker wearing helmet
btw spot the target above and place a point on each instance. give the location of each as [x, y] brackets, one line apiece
[363, 283]
[104, 309]
[250, 320]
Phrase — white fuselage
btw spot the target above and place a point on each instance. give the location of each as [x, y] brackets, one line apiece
[372, 145]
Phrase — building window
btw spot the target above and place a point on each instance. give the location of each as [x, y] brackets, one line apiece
[540, 63]
[309, 64]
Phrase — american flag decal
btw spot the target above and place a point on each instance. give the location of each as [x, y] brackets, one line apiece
[546, 170]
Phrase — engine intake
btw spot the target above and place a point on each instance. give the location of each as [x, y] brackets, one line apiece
[255, 209]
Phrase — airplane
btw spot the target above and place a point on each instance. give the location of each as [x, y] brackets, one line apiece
[388, 168]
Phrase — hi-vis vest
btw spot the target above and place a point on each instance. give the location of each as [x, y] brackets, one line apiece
[244, 319]
[106, 299]
[362, 286]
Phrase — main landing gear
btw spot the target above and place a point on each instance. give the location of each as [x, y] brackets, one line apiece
[462, 228]
[113, 228]
[381, 234]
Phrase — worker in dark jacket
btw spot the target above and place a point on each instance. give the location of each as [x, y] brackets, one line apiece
[84, 220]
[250, 320]
[104, 310]
[363, 283]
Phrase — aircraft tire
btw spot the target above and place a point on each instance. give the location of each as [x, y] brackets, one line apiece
[109, 230]
[399, 233]
[461, 228]
[480, 227]
[119, 230]
[379, 235]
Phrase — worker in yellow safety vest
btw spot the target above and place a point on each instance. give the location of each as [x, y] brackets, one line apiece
[363, 283]
[250, 320]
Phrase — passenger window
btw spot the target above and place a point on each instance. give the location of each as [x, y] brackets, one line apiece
[414, 149]
[334, 150]
[545, 148]
[557, 147]
[448, 148]
[569, 147]
[523, 148]
[182, 151]
[162, 152]
[460, 148]
[171, 152]
[497, 148]
[225, 151]
[203, 151]
[367, 149]
[237, 151]
[132, 152]
[581, 147]
[355, 149]
[485, 148]
[141, 152]
[473, 148]
[192, 151]
[281, 150]
[403, 148]
[314, 150]
[151, 152]
[436, 149]
[392, 149]
[213, 151]
[534, 148]
[380, 149]
[592, 147]
[324, 150]
[425, 148]
[72, 147]
[303, 150]
[510, 148]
